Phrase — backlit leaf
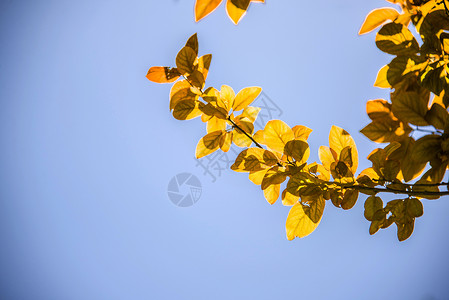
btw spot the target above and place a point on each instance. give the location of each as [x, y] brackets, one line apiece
[272, 192]
[349, 199]
[339, 139]
[372, 205]
[254, 159]
[301, 132]
[396, 39]
[185, 60]
[236, 9]
[408, 107]
[377, 17]
[297, 149]
[245, 97]
[205, 7]
[381, 79]
[299, 220]
[208, 144]
[187, 109]
[277, 134]
[163, 74]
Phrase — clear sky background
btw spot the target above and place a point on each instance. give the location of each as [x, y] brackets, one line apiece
[88, 147]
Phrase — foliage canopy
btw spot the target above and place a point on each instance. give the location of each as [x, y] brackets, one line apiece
[276, 157]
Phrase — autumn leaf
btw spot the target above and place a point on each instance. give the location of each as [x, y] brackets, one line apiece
[208, 144]
[205, 7]
[302, 220]
[163, 74]
[377, 17]
[245, 97]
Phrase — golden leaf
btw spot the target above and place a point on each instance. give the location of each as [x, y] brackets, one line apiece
[208, 144]
[205, 7]
[377, 17]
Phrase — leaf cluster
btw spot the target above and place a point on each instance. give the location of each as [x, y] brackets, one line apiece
[276, 157]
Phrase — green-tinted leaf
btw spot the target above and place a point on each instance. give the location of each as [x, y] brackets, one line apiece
[409, 107]
[372, 205]
[349, 199]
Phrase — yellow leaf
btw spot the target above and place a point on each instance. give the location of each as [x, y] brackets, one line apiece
[275, 175]
[205, 7]
[239, 138]
[349, 199]
[236, 9]
[385, 130]
[377, 109]
[254, 159]
[289, 199]
[215, 124]
[381, 79]
[276, 134]
[326, 157]
[226, 98]
[204, 64]
[297, 149]
[301, 132]
[339, 139]
[396, 39]
[162, 74]
[225, 141]
[187, 109]
[256, 177]
[249, 114]
[185, 60]
[181, 90]
[377, 17]
[245, 97]
[208, 144]
[299, 220]
[271, 193]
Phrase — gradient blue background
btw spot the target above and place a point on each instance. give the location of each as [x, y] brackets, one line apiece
[89, 146]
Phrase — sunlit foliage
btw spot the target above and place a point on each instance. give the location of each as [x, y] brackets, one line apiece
[235, 9]
[277, 157]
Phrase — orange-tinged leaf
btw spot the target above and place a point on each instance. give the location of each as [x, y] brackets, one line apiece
[299, 220]
[208, 144]
[245, 97]
[378, 108]
[236, 9]
[162, 74]
[272, 192]
[377, 17]
[205, 7]
[276, 134]
[339, 139]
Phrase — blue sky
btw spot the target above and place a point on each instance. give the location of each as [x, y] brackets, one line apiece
[89, 147]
